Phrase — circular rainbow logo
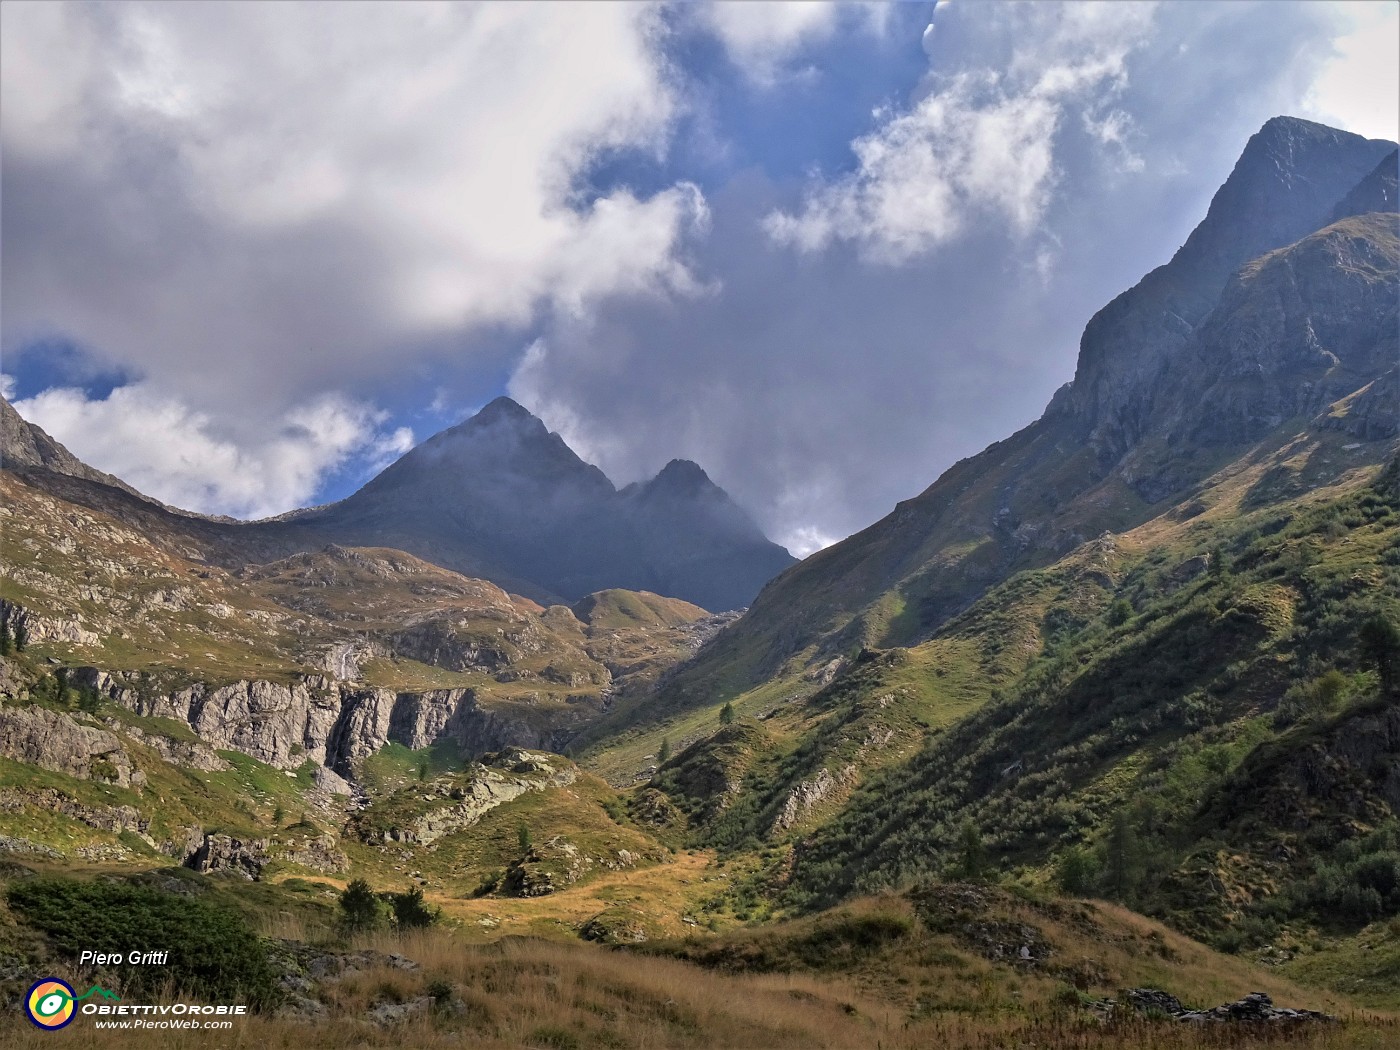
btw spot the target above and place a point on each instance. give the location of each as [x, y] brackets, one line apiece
[49, 1003]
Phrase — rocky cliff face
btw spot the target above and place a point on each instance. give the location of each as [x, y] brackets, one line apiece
[1287, 183]
[56, 741]
[331, 723]
[1378, 191]
[22, 444]
[1294, 331]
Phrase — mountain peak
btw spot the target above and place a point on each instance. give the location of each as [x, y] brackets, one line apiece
[682, 474]
[503, 408]
[1285, 185]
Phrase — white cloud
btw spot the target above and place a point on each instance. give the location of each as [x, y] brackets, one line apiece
[805, 540]
[7, 386]
[163, 448]
[250, 199]
[763, 38]
[1358, 87]
[979, 142]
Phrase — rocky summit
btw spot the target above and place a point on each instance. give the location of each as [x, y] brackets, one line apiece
[501, 497]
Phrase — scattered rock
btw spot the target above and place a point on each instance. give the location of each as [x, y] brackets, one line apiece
[396, 1013]
[1254, 1008]
[226, 853]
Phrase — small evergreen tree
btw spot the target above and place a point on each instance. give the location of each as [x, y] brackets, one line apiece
[359, 906]
[665, 753]
[1120, 612]
[410, 911]
[972, 855]
[278, 814]
[726, 714]
[522, 837]
[1122, 857]
[7, 640]
[1379, 642]
[1219, 562]
[89, 700]
[21, 636]
[422, 769]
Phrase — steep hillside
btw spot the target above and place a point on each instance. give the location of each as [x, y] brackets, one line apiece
[1177, 377]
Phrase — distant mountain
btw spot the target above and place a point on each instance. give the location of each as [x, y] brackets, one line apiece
[1378, 191]
[1208, 354]
[22, 444]
[501, 497]
[497, 497]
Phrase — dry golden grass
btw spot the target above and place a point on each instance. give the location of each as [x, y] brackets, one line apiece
[919, 990]
[525, 993]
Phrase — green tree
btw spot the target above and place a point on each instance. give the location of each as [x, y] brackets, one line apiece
[726, 714]
[7, 640]
[89, 700]
[972, 854]
[278, 814]
[359, 906]
[410, 910]
[1219, 562]
[1120, 612]
[665, 753]
[522, 837]
[21, 636]
[1076, 870]
[422, 769]
[1122, 857]
[1379, 642]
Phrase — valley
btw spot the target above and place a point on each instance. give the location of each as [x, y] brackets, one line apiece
[1096, 734]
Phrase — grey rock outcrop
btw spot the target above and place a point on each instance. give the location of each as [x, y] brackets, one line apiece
[452, 805]
[226, 853]
[104, 818]
[1254, 1008]
[809, 794]
[319, 854]
[53, 740]
[333, 724]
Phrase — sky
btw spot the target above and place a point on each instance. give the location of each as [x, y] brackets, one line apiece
[252, 252]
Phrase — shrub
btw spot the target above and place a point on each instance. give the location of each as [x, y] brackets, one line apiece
[213, 955]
